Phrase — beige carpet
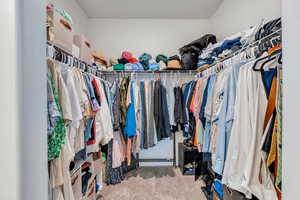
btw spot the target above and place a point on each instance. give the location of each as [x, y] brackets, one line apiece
[155, 183]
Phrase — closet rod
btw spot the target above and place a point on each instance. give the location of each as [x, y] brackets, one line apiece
[253, 44]
[60, 49]
[156, 160]
[117, 72]
[148, 72]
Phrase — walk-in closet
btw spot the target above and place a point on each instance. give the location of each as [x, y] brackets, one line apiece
[150, 100]
[178, 100]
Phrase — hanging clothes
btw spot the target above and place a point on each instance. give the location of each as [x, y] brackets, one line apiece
[130, 126]
[113, 175]
[123, 96]
[188, 116]
[278, 161]
[195, 108]
[242, 167]
[137, 99]
[143, 114]
[207, 114]
[171, 101]
[118, 150]
[116, 104]
[216, 104]
[91, 93]
[68, 76]
[226, 116]
[150, 133]
[161, 114]
[178, 111]
[56, 125]
[102, 122]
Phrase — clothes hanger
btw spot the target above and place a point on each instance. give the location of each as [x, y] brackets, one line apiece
[275, 52]
[271, 57]
[273, 49]
[245, 55]
[177, 82]
[248, 54]
[214, 69]
[221, 66]
[252, 52]
[54, 54]
[274, 39]
[217, 69]
[63, 58]
[76, 63]
[165, 79]
[68, 59]
[280, 58]
[158, 78]
[58, 56]
[267, 61]
[80, 65]
[257, 61]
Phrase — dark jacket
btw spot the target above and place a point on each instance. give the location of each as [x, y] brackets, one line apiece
[161, 115]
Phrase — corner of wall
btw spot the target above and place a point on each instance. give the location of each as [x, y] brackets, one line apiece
[79, 16]
[233, 16]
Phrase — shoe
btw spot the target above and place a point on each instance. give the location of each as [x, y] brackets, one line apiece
[188, 166]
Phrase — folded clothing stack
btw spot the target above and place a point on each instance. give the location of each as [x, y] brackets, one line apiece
[227, 45]
[190, 52]
[222, 49]
[145, 62]
[126, 62]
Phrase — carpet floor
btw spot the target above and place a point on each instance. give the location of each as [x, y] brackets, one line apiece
[155, 183]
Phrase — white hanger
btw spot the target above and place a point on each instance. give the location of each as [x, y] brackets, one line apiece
[165, 79]
[177, 83]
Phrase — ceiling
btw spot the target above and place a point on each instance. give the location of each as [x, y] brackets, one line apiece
[160, 9]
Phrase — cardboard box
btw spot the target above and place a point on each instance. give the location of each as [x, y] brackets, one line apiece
[85, 48]
[59, 31]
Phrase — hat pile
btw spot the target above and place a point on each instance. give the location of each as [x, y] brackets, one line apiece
[146, 62]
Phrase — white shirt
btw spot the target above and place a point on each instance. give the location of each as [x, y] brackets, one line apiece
[104, 128]
[68, 76]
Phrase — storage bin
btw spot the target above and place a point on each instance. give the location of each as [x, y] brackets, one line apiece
[85, 48]
[60, 31]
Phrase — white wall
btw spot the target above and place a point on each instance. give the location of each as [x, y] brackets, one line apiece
[112, 36]
[9, 118]
[78, 15]
[32, 101]
[236, 15]
[291, 99]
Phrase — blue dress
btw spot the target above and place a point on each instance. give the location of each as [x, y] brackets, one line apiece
[130, 125]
